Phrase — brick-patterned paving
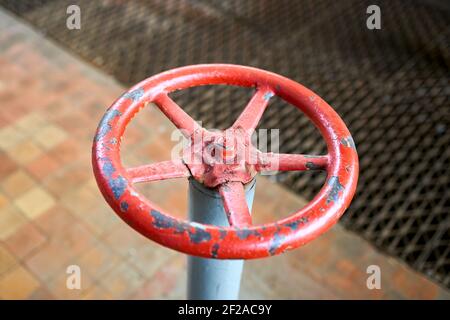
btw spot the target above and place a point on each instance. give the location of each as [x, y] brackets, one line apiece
[52, 214]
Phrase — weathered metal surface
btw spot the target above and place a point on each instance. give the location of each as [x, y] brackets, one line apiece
[241, 240]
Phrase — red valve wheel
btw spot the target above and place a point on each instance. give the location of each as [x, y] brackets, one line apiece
[241, 240]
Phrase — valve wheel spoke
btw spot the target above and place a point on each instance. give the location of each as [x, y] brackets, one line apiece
[290, 162]
[235, 204]
[158, 171]
[249, 118]
[176, 115]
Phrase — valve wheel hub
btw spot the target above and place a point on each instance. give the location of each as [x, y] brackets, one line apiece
[219, 157]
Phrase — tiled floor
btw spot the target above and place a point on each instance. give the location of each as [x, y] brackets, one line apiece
[53, 216]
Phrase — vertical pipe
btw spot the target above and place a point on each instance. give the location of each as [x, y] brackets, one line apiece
[213, 279]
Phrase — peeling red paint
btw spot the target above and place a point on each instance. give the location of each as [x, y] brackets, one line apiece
[242, 240]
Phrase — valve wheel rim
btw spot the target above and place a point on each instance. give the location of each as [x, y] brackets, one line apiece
[241, 241]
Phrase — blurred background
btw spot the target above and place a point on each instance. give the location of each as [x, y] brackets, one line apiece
[390, 86]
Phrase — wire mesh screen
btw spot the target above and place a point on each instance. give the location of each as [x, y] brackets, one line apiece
[391, 87]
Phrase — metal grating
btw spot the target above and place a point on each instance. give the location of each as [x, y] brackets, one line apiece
[390, 86]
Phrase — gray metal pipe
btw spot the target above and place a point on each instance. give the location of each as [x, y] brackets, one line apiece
[213, 279]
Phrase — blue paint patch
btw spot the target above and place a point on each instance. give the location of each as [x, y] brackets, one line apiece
[223, 234]
[348, 142]
[134, 95]
[118, 186]
[214, 250]
[268, 95]
[336, 187]
[199, 235]
[124, 206]
[245, 233]
[277, 241]
[162, 221]
[295, 224]
[312, 166]
[108, 169]
[105, 125]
